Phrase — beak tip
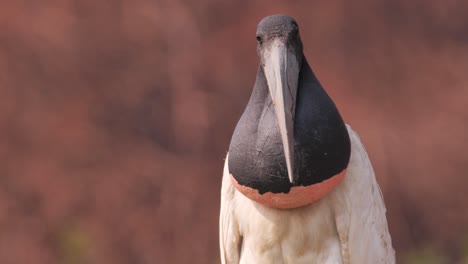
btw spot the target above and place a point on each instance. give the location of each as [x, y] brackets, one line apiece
[292, 179]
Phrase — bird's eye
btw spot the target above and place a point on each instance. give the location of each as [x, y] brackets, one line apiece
[259, 39]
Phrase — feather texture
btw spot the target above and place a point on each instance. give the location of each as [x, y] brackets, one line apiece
[347, 226]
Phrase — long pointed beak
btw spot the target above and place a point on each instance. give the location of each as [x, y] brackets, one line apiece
[282, 74]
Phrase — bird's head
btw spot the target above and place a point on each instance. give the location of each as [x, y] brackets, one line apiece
[291, 146]
[280, 53]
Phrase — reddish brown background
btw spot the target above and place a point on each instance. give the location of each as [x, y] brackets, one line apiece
[115, 117]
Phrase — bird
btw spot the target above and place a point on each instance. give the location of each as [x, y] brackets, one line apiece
[298, 185]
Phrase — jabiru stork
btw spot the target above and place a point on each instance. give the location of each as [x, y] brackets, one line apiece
[298, 186]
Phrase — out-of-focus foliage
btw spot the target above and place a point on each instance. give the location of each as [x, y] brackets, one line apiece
[115, 117]
[424, 256]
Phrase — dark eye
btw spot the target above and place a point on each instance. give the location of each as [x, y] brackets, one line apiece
[259, 39]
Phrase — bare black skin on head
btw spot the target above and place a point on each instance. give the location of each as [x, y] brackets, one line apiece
[321, 141]
[278, 27]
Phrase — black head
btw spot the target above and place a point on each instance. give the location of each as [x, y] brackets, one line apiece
[290, 134]
[280, 28]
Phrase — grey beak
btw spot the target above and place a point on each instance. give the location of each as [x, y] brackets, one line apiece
[282, 74]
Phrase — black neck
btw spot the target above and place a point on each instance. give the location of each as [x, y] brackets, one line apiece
[322, 146]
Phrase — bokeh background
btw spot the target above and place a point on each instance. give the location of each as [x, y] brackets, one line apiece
[115, 117]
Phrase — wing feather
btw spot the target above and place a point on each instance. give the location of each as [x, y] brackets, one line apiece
[360, 212]
[229, 236]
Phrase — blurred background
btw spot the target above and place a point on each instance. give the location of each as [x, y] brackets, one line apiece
[115, 118]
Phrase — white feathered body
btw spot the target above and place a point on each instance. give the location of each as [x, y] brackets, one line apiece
[346, 226]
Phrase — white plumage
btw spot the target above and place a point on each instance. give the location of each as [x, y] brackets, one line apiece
[346, 226]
